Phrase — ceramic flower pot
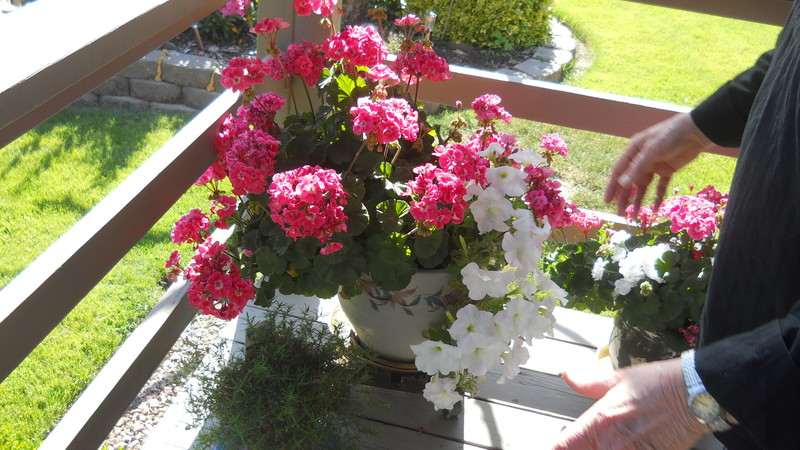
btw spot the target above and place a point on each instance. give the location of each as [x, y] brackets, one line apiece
[389, 322]
[630, 345]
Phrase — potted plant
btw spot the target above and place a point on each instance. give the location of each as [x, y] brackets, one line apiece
[360, 195]
[654, 280]
[269, 396]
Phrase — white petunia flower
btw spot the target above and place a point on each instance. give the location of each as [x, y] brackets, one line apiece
[470, 319]
[619, 254]
[441, 392]
[512, 361]
[480, 352]
[528, 157]
[622, 286]
[619, 237]
[508, 180]
[494, 149]
[437, 357]
[524, 220]
[481, 283]
[546, 284]
[598, 268]
[491, 210]
[523, 250]
[514, 320]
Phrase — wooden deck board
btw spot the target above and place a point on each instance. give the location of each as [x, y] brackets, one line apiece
[483, 423]
[527, 412]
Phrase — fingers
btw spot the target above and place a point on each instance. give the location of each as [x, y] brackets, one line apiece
[592, 384]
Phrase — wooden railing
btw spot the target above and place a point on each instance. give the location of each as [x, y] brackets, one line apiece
[76, 52]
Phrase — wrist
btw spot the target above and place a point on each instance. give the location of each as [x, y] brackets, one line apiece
[700, 403]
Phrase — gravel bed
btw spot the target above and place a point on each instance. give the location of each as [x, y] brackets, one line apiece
[142, 416]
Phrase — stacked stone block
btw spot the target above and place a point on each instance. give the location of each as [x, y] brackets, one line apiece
[166, 82]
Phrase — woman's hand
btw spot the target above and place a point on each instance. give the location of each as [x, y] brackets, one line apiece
[659, 150]
[639, 407]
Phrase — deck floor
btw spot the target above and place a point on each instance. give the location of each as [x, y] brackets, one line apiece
[527, 412]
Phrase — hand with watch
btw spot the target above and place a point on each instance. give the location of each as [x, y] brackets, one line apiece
[701, 404]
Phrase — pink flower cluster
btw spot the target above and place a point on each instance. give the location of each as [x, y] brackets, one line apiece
[360, 46]
[714, 196]
[645, 219]
[223, 207]
[242, 73]
[216, 285]
[234, 8]
[487, 108]
[438, 197]
[269, 26]
[697, 216]
[587, 222]
[690, 333]
[215, 172]
[309, 202]
[463, 161]
[260, 113]
[191, 228]
[321, 7]
[385, 120]
[304, 59]
[553, 145]
[250, 161]
[420, 63]
[544, 197]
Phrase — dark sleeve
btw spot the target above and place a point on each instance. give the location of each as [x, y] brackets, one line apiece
[722, 116]
[756, 377]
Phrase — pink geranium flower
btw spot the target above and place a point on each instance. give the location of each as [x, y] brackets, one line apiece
[191, 228]
[309, 202]
[487, 108]
[234, 8]
[385, 120]
[438, 197]
[250, 161]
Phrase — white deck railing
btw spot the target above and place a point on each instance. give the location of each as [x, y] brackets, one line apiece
[72, 52]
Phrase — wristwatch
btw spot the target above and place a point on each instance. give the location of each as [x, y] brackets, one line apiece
[701, 404]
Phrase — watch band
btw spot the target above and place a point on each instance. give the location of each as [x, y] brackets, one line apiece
[695, 388]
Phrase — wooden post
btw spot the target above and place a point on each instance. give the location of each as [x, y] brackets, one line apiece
[300, 28]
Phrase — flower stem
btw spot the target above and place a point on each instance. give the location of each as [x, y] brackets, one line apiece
[396, 154]
[310, 104]
[353, 162]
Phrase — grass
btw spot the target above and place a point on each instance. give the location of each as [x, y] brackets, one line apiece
[655, 53]
[52, 176]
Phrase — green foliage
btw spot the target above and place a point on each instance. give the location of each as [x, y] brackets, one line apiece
[522, 23]
[662, 306]
[293, 389]
[52, 176]
[218, 27]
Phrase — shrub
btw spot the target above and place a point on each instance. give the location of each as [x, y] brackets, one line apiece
[488, 23]
[219, 27]
[292, 389]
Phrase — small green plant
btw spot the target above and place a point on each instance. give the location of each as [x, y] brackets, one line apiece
[524, 23]
[291, 390]
[227, 24]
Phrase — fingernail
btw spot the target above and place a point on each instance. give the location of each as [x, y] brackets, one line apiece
[624, 180]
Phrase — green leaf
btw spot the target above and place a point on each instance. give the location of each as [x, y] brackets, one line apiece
[269, 262]
[651, 304]
[432, 250]
[346, 85]
[390, 214]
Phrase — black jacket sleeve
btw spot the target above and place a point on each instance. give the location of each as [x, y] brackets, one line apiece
[722, 116]
[754, 376]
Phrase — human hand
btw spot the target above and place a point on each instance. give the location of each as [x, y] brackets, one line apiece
[639, 407]
[659, 150]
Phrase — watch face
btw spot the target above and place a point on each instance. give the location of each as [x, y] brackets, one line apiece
[704, 407]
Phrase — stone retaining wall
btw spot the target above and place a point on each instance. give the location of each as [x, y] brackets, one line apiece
[162, 81]
[171, 82]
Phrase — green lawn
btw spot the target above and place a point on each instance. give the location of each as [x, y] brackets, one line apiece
[655, 53]
[51, 177]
